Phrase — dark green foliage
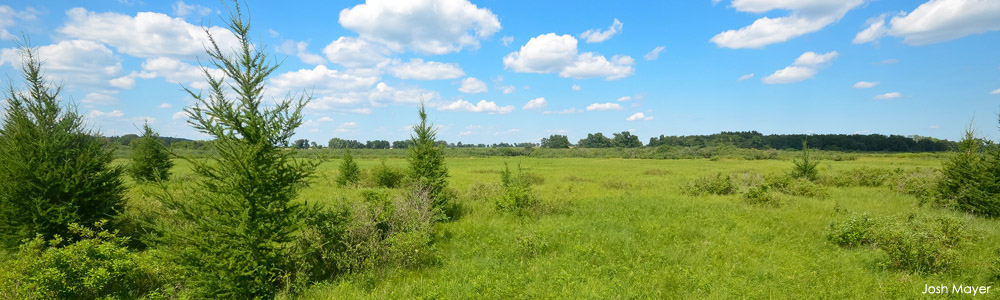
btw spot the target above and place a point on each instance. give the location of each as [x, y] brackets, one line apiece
[427, 168]
[856, 230]
[349, 171]
[555, 141]
[386, 176]
[150, 160]
[625, 139]
[301, 144]
[831, 142]
[761, 195]
[86, 265]
[971, 178]
[377, 144]
[595, 140]
[53, 171]
[517, 195]
[234, 233]
[915, 243]
[717, 185]
[338, 143]
[805, 168]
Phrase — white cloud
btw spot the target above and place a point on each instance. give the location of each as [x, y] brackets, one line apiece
[175, 71]
[9, 17]
[638, 116]
[354, 52]
[182, 9]
[604, 106]
[507, 40]
[418, 69]
[995, 92]
[937, 21]
[653, 55]
[888, 96]
[346, 127]
[876, 29]
[745, 77]
[329, 88]
[575, 87]
[571, 110]
[383, 94]
[865, 84]
[508, 89]
[148, 34]
[597, 36]
[483, 106]
[806, 16]
[99, 99]
[464, 133]
[124, 82]
[325, 119]
[804, 67]
[509, 131]
[77, 63]
[424, 26]
[624, 98]
[472, 85]
[180, 115]
[300, 50]
[111, 114]
[165, 105]
[551, 53]
[537, 103]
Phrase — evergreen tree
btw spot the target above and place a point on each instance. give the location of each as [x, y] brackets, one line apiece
[53, 171]
[971, 178]
[150, 160]
[805, 168]
[234, 237]
[427, 168]
[349, 172]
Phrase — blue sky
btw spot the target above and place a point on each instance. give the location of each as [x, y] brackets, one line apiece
[514, 71]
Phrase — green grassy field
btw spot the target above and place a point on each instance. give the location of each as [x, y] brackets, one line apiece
[623, 228]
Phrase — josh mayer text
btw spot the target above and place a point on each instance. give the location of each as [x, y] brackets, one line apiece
[956, 289]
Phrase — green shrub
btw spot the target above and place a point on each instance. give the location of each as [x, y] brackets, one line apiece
[53, 171]
[761, 195]
[427, 168]
[864, 176]
[388, 230]
[856, 230]
[915, 243]
[349, 171]
[805, 188]
[716, 185]
[805, 168]
[386, 176]
[971, 178]
[517, 195]
[920, 183]
[87, 265]
[150, 161]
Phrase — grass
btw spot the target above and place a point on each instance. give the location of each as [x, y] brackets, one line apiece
[622, 228]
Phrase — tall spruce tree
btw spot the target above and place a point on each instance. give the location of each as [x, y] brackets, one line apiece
[234, 236]
[349, 171]
[427, 168]
[150, 160]
[53, 171]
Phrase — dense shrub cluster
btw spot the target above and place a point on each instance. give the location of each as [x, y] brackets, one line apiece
[517, 195]
[386, 176]
[349, 171]
[970, 180]
[150, 160]
[717, 184]
[914, 243]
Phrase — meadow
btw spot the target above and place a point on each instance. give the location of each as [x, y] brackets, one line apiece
[625, 228]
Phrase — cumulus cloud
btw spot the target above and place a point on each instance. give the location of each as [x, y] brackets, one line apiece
[329, 88]
[420, 70]
[804, 67]
[575, 87]
[507, 40]
[937, 21]
[148, 34]
[472, 85]
[551, 53]
[537, 103]
[638, 116]
[653, 55]
[10, 16]
[888, 96]
[508, 89]
[355, 53]
[745, 77]
[77, 63]
[865, 84]
[597, 36]
[111, 114]
[99, 99]
[384, 94]
[165, 105]
[624, 98]
[300, 50]
[806, 16]
[180, 115]
[483, 106]
[876, 29]
[604, 106]
[571, 110]
[995, 92]
[175, 71]
[182, 9]
[424, 26]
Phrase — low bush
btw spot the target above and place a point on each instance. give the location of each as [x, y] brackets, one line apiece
[517, 195]
[916, 243]
[387, 177]
[718, 184]
[856, 230]
[795, 187]
[90, 264]
[761, 195]
[483, 191]
[805, 168]
[920, 182]
[388, 228]
[349, 171]
[864, 176]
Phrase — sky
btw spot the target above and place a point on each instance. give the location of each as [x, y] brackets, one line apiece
[517, 71]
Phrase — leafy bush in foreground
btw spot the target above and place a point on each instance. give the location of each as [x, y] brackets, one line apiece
[150, 161]
[971, 179]
[915, 243]
[53, 172]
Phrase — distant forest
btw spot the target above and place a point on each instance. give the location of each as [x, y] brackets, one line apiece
[744, 139]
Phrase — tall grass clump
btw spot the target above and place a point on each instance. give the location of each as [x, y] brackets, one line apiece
[233, 234]
[914, 243]
[517, 195]
[427, 168]
[53, 170]
[718, 184]
[387, 177]
[150, 160]
[970, 180]
[349, 172]
[806, 167]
